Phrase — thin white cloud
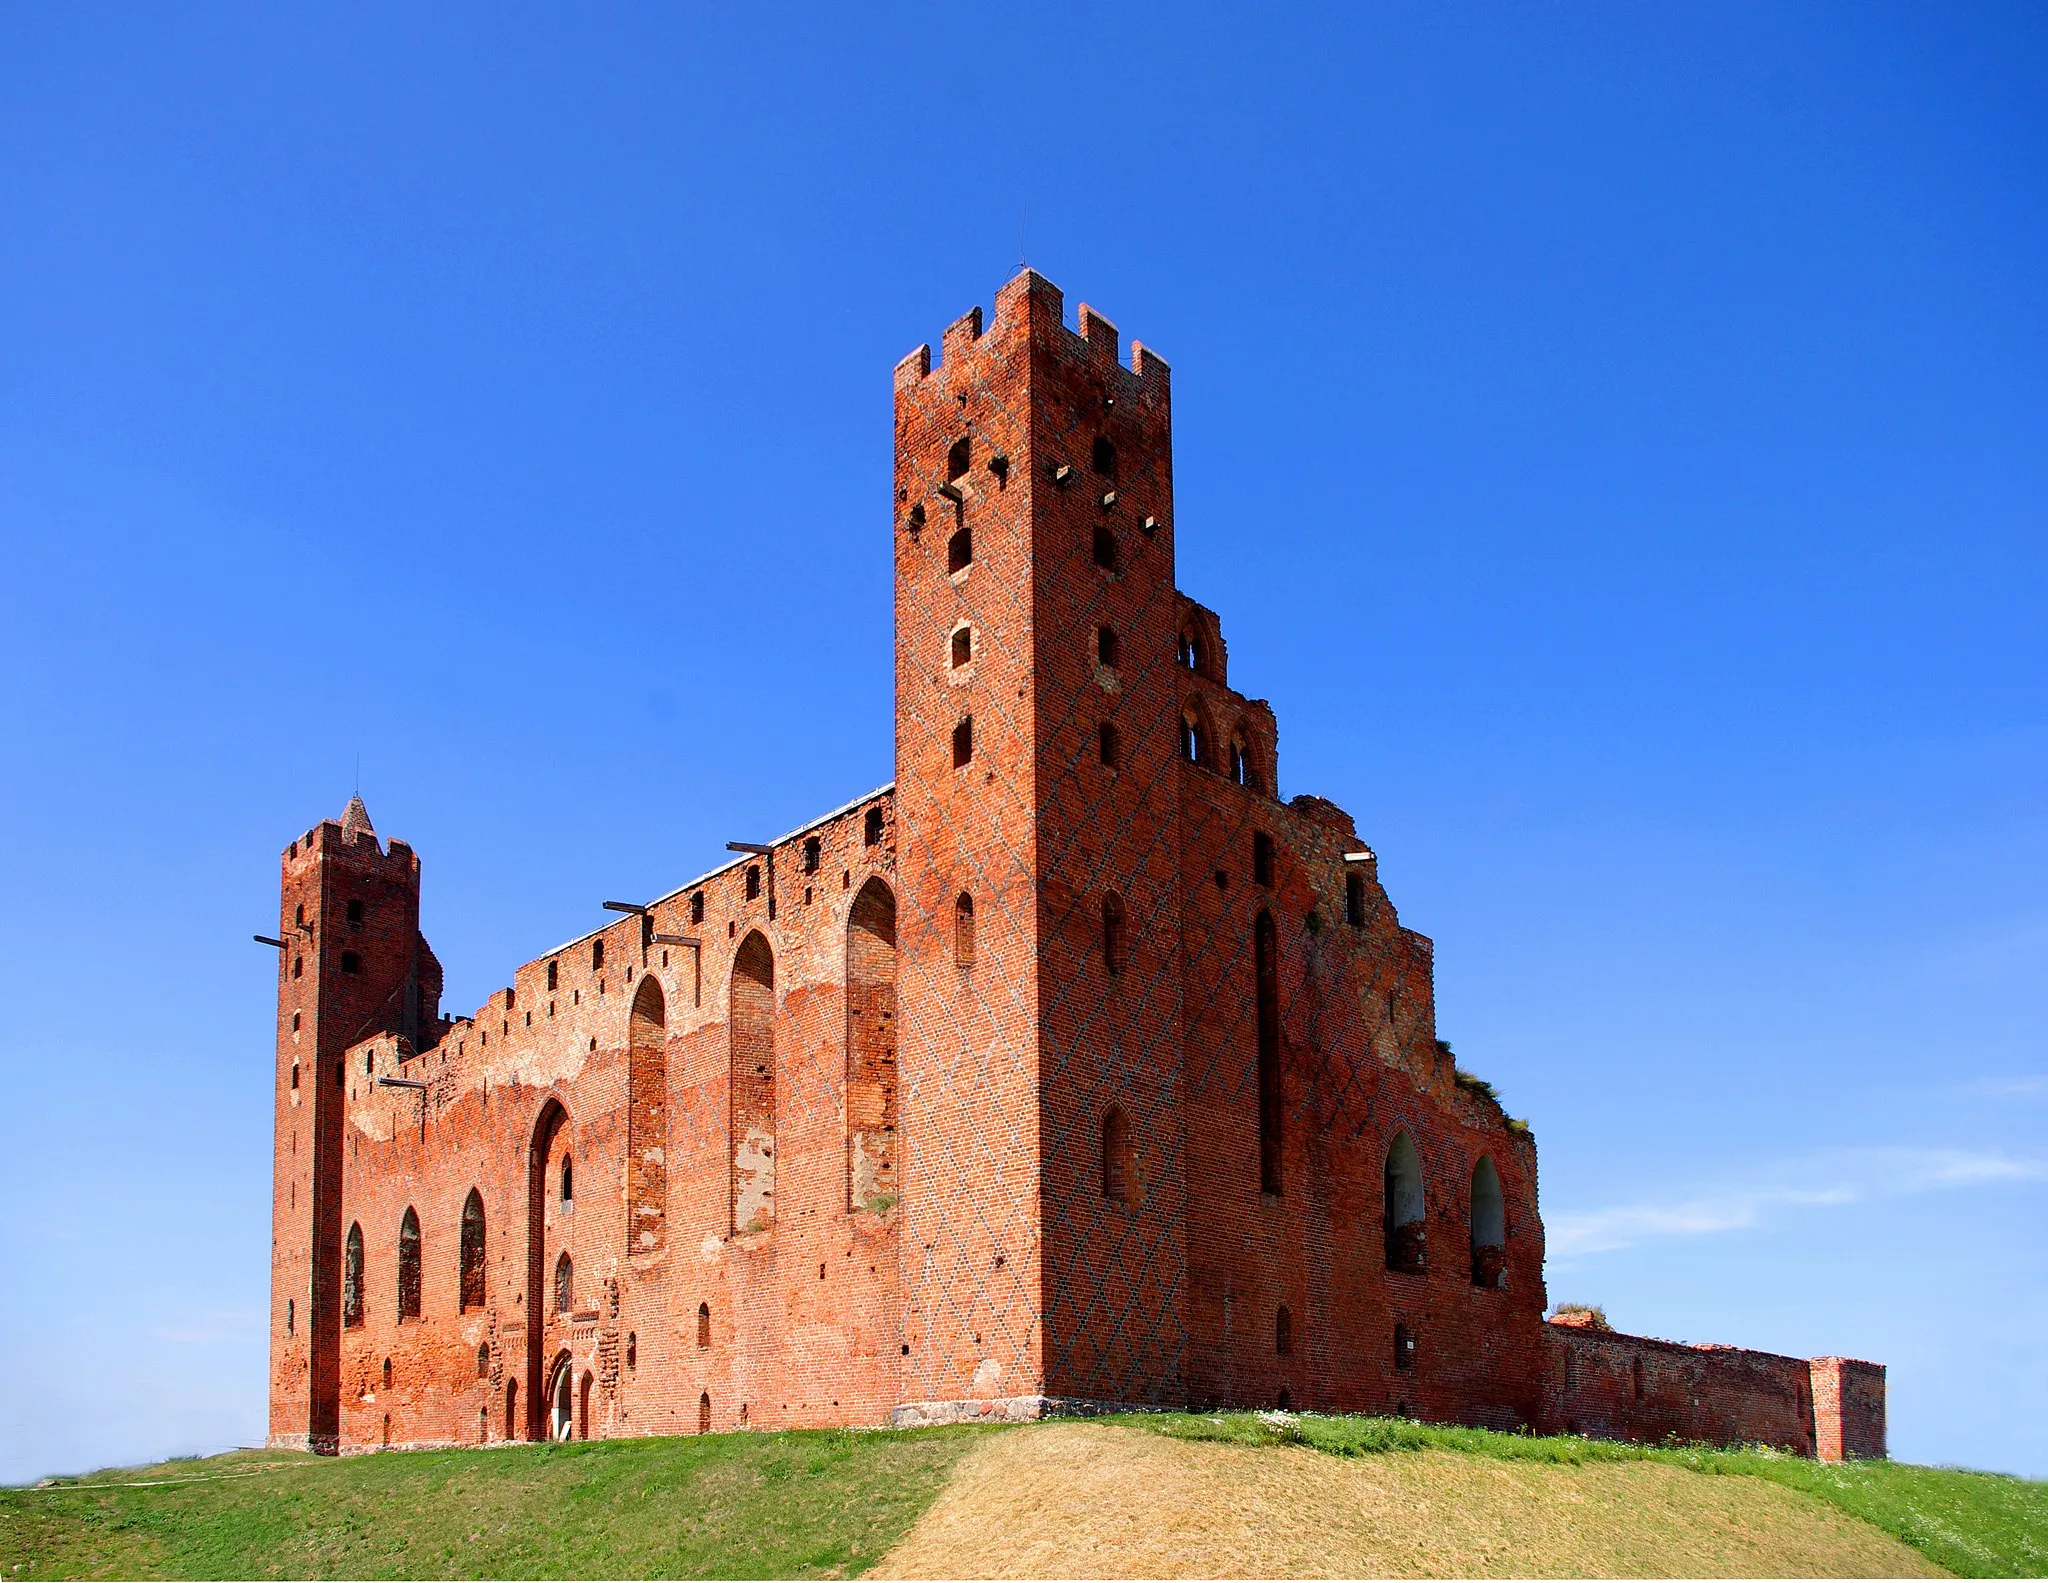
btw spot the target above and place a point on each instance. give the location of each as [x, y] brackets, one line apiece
[2008, 1088]
[1840, 1176]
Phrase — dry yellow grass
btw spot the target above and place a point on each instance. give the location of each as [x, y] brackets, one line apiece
[1093, 1500]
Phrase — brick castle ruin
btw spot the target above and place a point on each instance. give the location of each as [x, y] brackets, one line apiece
[1074, 1068]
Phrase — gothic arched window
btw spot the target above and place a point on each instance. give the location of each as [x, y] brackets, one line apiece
[409, 1266]
[470, 1266]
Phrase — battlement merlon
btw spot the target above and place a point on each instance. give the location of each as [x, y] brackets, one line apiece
[626, 936]
[1032, 305]
[330, 838]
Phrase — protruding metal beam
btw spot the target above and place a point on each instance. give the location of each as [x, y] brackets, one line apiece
[633, 907]
[1367, 856]
[264, 939]
[679, 939]
[401, 1082]
[754, 847]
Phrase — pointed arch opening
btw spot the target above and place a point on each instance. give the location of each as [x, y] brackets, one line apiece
[1489, 1227]
[1407, 1241]
[552, 1140]
[561, 1424]
[703, 1324]
[352, 1278]
[565, 1284]
[963, 929]
[1266, 970]
[871, 1175]
[409, 1266]
[470, 1263]
[1113, 933]
[752, 1029]
[646, 1121]
[1283, 1332]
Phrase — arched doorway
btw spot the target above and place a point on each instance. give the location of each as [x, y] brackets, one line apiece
[549, 1131]
[561, 1424]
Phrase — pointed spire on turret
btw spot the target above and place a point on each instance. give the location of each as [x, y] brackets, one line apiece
[355, 820]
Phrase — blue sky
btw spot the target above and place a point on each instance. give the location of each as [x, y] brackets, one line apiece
[1612, 435]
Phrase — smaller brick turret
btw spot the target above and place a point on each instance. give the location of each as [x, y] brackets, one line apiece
[353, 965]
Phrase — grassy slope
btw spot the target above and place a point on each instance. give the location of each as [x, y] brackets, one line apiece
[802, 1504]
[807, 1503]
[1973, 1524]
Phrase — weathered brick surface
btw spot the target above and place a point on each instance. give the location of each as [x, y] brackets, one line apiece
[1065, 1070]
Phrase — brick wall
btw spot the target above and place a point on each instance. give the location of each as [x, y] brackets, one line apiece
[1075, 1066]
[1622, 1387]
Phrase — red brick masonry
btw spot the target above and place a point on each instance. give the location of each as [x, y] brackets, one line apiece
[1072, 1068]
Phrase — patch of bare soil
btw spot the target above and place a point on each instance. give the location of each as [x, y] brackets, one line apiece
[1078, 1500]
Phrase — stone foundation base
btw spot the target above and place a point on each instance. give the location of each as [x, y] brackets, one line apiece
[319, 1445]
[1002, 1410]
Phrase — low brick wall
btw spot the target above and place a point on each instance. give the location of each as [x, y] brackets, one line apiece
[1621, 1387]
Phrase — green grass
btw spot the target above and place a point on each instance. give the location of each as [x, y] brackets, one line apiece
[808, 1503]
[1973, 1524]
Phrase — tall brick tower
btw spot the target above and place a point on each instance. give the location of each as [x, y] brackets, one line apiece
[353, 965]
[1038, 852]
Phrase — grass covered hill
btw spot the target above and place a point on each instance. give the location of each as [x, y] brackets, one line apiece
[1159, 1495]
